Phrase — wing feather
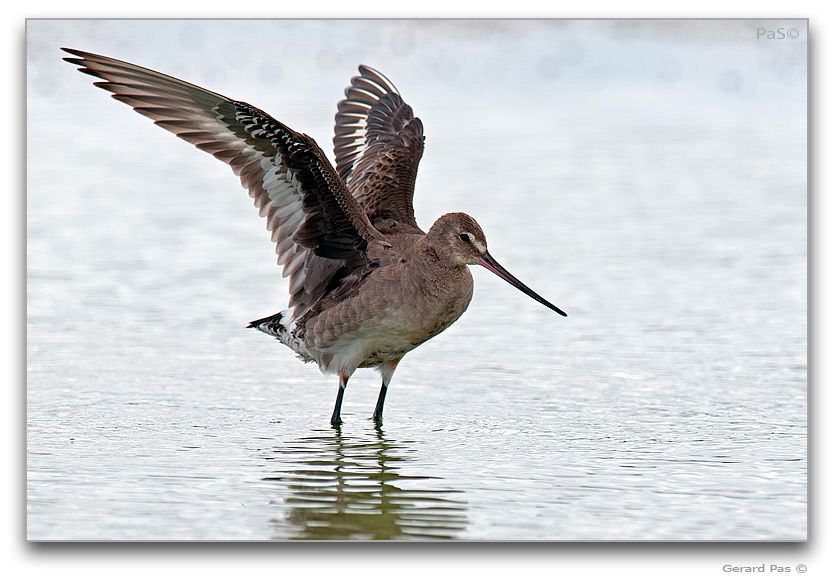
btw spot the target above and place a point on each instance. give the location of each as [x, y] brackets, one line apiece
[378, 144]
[317, 226]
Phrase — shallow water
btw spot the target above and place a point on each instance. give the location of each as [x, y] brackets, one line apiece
[664, 211]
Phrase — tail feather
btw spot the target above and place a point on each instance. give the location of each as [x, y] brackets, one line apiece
[271, 325]
[282, 327]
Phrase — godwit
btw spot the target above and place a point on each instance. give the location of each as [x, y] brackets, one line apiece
[366, 284]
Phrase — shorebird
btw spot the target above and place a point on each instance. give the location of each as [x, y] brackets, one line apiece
[366, 284]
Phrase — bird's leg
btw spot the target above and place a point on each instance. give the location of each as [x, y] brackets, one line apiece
[380, 402]
[387, 371]
[336, 418]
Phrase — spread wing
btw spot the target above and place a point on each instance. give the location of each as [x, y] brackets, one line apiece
[378, 146]
[317, 226]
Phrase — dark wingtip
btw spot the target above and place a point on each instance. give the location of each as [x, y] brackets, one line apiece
[73, 51]
[78, 59]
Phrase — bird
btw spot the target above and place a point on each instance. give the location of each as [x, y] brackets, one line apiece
[366, 283]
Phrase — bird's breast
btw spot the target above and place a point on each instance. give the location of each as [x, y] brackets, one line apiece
[440, 300]
[399, 309]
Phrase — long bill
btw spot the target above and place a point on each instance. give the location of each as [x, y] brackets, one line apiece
[490, 264]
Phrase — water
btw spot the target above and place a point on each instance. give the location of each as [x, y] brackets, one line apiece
[649, 179]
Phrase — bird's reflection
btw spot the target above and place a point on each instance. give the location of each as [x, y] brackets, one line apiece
[349, 487]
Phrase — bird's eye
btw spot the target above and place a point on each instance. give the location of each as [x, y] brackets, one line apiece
[464, 238]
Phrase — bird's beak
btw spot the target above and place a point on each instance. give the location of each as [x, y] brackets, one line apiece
[490, 264]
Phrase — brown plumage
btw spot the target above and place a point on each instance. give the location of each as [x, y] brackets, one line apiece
[366, 284]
